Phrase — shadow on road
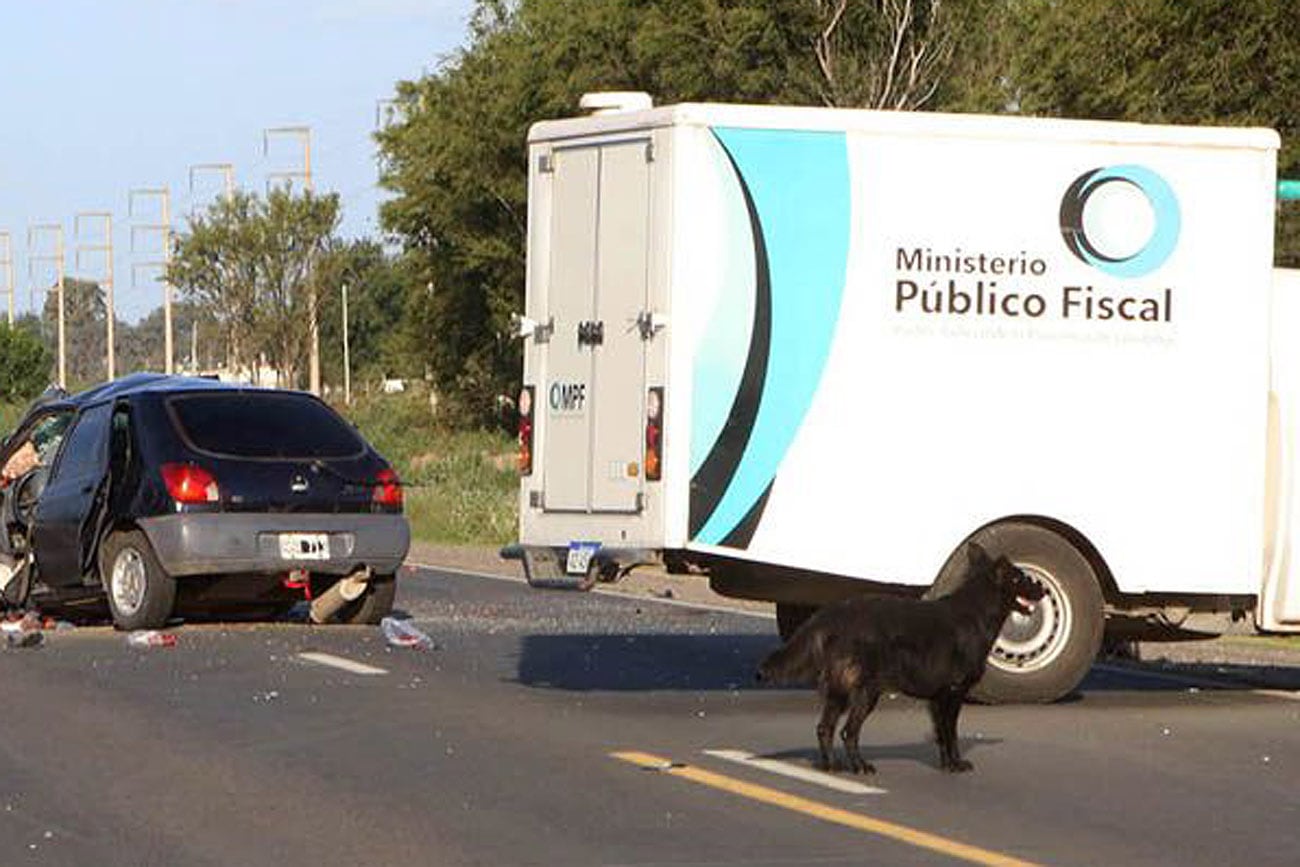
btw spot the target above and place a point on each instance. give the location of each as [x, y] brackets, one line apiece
[676, 661]
[642, 662]
[1181, 677]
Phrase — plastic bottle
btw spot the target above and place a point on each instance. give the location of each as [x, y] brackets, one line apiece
[150, 638]
[400, 633]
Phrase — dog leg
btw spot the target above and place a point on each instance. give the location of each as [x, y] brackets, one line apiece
[832, 709]
[862, 703]
[944, 710]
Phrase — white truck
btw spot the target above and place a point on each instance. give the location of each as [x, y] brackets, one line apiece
[810, 352]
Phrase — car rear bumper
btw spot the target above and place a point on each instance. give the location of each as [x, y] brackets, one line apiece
[212, 544]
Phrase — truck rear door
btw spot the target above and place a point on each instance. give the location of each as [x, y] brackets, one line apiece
[593, 391]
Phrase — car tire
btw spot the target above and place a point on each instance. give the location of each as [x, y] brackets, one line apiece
[374, 604]
[141, 595]
[1043, 657]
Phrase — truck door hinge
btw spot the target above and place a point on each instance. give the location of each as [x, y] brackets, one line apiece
[649, 151]
[524, 327]
[650, 323]
[545, 164]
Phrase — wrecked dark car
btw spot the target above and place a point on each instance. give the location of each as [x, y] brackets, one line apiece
[157, 494]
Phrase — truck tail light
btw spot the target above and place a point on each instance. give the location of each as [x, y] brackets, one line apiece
[526, 431]
[188, 483]
[654, 434]
[388, 489]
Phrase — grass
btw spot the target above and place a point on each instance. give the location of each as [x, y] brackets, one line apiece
[461, 488]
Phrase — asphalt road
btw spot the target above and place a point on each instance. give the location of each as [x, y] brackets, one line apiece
[553, 728]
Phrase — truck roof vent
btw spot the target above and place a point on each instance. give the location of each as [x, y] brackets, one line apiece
[614, 101]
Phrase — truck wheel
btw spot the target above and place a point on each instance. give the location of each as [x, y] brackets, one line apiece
[1045, 655]
[790, 616]
[374, 605]
[141, 595]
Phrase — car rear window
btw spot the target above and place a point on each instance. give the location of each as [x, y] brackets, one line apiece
[267, 425]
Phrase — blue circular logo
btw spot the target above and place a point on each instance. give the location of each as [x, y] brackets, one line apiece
[1164, 205]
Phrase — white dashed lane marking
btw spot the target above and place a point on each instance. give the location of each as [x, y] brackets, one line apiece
[785, 769]
[348, 665]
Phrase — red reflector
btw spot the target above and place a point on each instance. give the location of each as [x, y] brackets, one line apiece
[526, 431]
[388, 489]
[654, 439]
[188, 483]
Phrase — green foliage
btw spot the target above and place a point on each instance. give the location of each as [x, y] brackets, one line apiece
[1222, 62]
[25, 365]
[247, 263]
[460, 487]
[377, 291]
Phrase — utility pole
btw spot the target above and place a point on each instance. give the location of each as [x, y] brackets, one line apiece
[105, 248]
[347, 361]
[227, 172]
[7, 269]
[34, 258]
[302, 133]
[162, 195]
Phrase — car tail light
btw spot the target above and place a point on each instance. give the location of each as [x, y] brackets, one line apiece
[526, 431]
[388, 489]
[654, 434]
[188, 483]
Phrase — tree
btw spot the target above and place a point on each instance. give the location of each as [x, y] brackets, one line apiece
[85, 319]
[246, 262]
[1221, 62]
[26, 364]
[377, 291]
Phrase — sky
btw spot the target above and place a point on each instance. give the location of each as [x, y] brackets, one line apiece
[102, 97]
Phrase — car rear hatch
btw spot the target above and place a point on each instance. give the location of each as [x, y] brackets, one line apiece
[270, 451]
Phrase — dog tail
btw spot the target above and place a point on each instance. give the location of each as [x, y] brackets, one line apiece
[798, 660]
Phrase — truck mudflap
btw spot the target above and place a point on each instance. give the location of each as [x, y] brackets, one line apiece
[559, 569]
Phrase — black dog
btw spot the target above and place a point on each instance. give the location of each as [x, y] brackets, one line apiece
[931, 649]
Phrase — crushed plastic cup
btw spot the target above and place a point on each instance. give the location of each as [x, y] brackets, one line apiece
[150, 638]
[400, 633]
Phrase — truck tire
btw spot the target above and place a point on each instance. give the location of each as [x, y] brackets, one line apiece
[141, 595]
[790, 616]
[1044, 656]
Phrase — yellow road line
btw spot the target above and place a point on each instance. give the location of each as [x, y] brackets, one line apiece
[825, 812]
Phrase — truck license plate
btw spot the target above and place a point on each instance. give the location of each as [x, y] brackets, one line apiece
[580, 557]
[304, 546]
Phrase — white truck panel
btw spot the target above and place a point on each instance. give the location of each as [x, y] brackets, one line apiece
[886, 431]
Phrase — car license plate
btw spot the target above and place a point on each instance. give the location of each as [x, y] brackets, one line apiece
[305, 546]
[580, 557]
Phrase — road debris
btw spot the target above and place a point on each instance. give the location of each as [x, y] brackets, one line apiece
[401, 633]
[23, 631]
[151, 638]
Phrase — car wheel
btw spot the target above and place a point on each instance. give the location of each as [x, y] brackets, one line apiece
[373, 605]
[1043, 656]
[141, 595]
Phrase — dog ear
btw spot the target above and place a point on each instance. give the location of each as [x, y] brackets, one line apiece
[976, 556]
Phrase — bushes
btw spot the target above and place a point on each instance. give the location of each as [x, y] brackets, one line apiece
[25, 363]
[461, 488]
